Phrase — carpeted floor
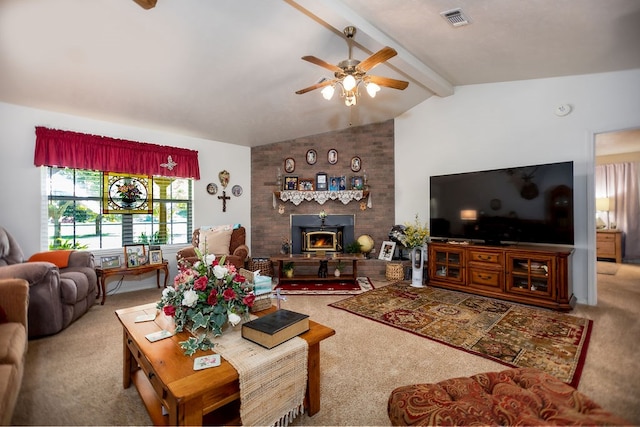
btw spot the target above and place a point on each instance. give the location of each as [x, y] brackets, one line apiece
[75, 377]
[513, 334]
[604, 267]
[362, 284]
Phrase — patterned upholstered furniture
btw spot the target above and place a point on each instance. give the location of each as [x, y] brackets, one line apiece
[237, 254]
[522, 396]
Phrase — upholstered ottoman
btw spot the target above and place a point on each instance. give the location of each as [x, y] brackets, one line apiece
[521, 396]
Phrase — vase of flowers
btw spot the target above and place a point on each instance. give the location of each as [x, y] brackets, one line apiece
[205, 297]
[414, 237]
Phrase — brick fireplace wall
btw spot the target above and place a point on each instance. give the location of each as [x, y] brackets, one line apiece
[374, 144]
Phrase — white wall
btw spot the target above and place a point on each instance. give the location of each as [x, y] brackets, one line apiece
[20, 180]
[508, 124]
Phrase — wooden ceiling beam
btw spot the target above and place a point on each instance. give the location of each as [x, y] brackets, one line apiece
[146, 4]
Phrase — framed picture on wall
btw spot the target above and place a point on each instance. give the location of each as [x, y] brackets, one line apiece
[312, 157]
[356, 164]
[289, 165]
[332, 156]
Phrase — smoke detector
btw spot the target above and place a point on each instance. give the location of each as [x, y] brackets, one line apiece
[455, 17]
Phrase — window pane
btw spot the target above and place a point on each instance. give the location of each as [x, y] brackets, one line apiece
[75, 217]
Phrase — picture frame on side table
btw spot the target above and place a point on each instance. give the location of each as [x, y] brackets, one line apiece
[155, 257]
[387, 250]
[110, 261]
[134, 255]
[291, 183]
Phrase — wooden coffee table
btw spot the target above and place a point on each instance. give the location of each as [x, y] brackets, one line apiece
[164, 376]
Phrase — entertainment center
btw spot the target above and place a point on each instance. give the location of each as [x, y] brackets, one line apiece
[535, 275]
[505, 233]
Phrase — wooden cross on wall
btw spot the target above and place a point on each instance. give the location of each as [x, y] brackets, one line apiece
[224, 199]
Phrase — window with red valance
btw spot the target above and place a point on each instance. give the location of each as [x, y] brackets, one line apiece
[58, 148]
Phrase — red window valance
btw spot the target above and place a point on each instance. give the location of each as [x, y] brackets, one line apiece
[82, 151]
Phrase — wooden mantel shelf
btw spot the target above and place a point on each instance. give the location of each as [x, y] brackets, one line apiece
[297, 197]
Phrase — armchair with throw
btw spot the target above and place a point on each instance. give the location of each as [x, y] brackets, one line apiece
[224, 240]
[62, 284]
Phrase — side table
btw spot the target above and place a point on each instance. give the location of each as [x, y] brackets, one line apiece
[103, 273]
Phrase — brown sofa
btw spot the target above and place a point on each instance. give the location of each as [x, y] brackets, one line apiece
[522, 396]
[238, 250]
[57, 295]
[14, 300]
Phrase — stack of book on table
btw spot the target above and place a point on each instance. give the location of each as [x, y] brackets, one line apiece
[275, 328]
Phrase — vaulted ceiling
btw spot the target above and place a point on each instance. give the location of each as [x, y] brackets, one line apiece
[227, 70]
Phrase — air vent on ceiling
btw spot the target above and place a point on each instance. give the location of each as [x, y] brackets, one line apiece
[455, 17]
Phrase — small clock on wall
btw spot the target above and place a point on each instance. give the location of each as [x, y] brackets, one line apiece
[212, 188]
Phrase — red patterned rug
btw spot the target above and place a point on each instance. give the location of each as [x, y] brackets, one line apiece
[337, 287]
[512, 334]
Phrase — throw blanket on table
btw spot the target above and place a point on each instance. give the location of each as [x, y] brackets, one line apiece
[272, 382]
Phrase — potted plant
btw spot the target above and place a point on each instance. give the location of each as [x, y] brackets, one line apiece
[339, 267]
[287, 269]
[353, 248]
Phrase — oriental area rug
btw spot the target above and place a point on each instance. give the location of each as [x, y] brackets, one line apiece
[512, 334]
[337, 287]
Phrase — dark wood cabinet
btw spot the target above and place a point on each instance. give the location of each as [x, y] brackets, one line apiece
[535, 275]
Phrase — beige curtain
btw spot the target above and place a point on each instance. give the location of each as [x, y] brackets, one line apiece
[621, 183]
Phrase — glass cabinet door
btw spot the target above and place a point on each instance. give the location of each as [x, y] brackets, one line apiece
[448, 264]
[530, 275]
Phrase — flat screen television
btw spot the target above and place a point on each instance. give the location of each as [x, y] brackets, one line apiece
[523, 204]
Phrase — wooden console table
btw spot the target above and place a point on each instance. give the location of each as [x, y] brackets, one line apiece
[164, 376]
[313, 259]
[103, 273]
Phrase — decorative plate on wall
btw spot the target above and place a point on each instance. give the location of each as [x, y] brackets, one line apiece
[212, 188]
[236, 190]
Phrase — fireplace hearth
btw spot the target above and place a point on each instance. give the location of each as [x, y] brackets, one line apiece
[311, 234]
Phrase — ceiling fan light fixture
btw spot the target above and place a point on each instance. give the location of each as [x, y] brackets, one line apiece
[349, 82]
[350, 99]
[372, 89]
[327, 92]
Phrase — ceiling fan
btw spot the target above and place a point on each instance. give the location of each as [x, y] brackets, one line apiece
[350, 73]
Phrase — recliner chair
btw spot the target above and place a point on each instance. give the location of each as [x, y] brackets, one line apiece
[57, 296]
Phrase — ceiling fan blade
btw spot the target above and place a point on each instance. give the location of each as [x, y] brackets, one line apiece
[146, 4]
[387, 82]
[322, 63]
[378, 57]
[316, 86]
